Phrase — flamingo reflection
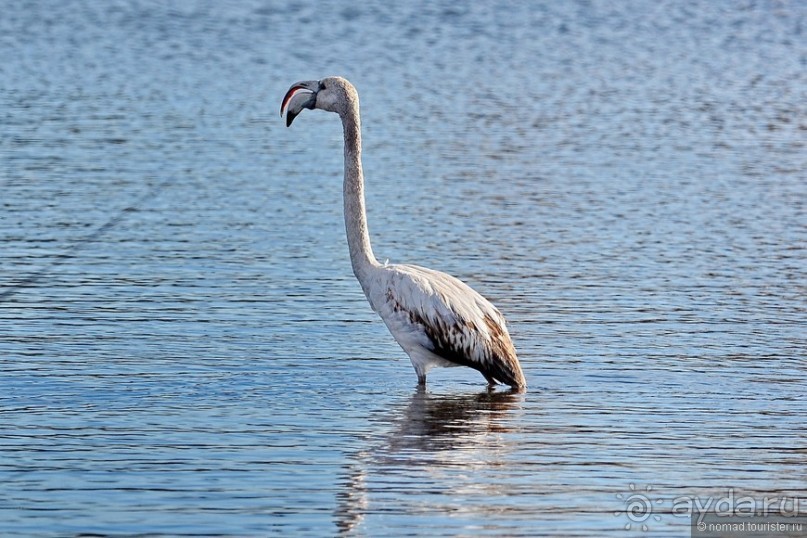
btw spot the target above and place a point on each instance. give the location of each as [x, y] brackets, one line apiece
[431, 435]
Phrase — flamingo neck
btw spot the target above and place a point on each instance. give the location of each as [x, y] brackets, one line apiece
[358, 236]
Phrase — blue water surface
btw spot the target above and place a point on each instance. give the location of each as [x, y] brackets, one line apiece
[184, 350]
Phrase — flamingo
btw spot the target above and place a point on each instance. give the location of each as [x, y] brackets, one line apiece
[438, 320]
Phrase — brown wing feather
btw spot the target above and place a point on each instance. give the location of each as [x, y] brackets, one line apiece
[477, 338]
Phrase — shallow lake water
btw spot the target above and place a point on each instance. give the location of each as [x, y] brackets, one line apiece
[184, 349]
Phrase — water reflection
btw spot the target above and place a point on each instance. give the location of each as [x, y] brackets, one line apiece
[432, 423]
[431, 434]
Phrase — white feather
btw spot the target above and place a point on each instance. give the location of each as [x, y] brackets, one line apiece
[439, 320]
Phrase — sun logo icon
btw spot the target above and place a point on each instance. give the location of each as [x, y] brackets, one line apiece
[638, 507]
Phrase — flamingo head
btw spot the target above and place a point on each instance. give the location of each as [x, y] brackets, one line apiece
[334, 94]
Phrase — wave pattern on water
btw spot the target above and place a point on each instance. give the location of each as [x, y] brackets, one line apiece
[184, 351]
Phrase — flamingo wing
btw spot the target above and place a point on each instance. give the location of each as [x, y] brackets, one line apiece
[445, 316]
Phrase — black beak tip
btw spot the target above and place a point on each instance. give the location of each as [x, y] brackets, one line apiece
[290, 118]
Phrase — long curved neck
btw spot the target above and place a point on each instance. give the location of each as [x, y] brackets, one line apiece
[358, 237]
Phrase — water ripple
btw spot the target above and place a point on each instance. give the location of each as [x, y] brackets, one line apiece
[184, 351]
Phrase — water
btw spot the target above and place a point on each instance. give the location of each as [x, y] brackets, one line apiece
[184, 350]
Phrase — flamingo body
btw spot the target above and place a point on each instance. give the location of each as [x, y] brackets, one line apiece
[439, 320]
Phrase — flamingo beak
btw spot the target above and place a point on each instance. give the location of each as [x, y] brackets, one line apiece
[301, 95]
